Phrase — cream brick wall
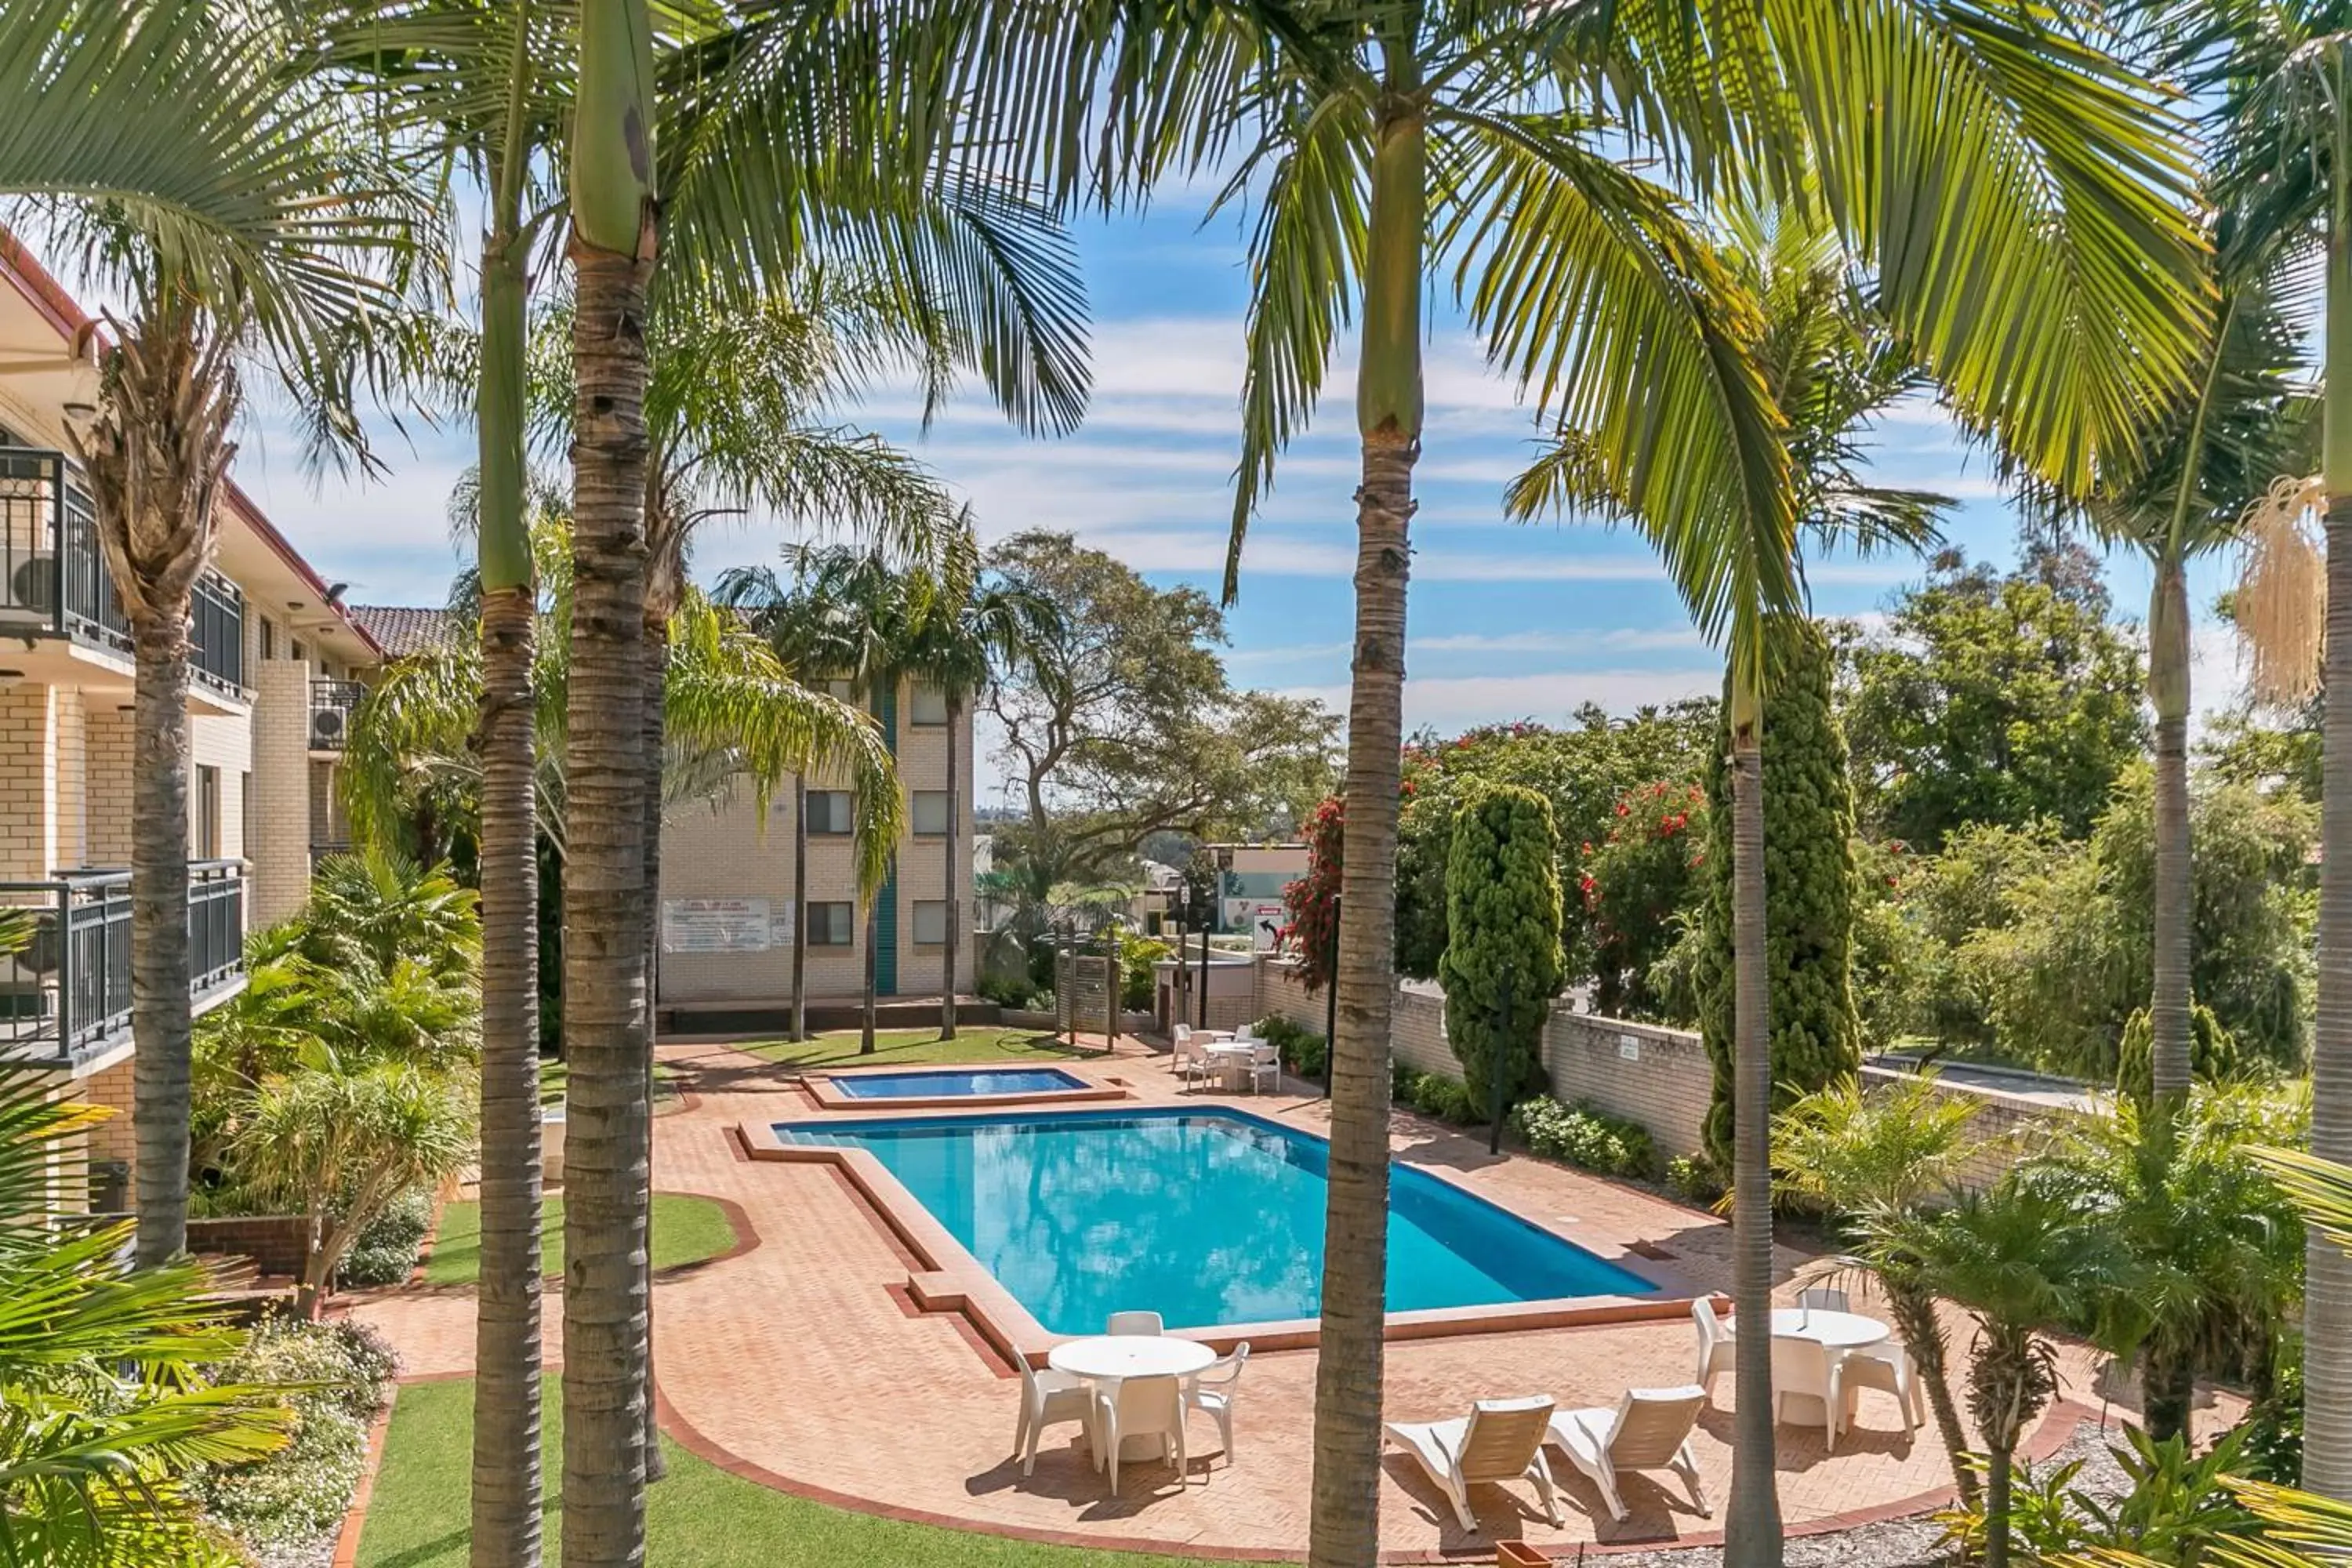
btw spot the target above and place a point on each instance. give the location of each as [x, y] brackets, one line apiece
[27, 782]
[281, 735]
[106, 782]
[726, 851]
[224, 742]
[71, 772]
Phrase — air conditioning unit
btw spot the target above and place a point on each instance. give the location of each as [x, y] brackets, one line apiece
[326, 727]
[32, 589]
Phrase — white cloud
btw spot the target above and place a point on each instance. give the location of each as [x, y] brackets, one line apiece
[1616, 639]
[1454, 702]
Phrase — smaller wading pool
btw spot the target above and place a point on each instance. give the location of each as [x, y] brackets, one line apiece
[956, 1088]
[957, 1083]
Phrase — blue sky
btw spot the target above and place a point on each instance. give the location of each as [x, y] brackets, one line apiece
[1507, 621]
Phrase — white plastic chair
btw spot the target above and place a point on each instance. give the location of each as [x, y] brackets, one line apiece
[1048, 1398]
[1805, 1367]
[1149, 1324]
[1265, 1064]
[1887, 1366]
[1717, 1350]
[1499, 1440]
[1245, 1035]
[1139, 1407]
[1649, 1429]
[1824, 1298]
[1211, 1390]
[1187, 1054]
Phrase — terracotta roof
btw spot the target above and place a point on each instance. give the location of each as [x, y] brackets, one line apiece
[404, 629]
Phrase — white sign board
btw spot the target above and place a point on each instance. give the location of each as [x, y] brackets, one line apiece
[717, 925]
[780, 924]
[1267, 919]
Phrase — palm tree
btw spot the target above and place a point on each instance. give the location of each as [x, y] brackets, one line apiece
[971, 629]
[1828, 363]
[284, 275]
[1877, 1159]
[2042, 203]
[2020, 1260]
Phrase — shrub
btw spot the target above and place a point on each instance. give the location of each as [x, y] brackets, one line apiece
[1809, 914]
[1137, 977]
[2177, 1511]
[341, 1375]
[1313, 902]
[1585, 1136]
[1502, 933]
[2212, 1054]
[1435, 1095]
[1304, 1052]
[1692, 1180]
[1634, 885]
[386, 1248]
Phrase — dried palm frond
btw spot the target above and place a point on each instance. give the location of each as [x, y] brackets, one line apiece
[2282, 599]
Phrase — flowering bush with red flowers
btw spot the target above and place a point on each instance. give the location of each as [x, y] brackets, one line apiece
[1313, 900]
[1637, 887]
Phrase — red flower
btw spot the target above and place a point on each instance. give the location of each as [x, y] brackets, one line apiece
[1622, 810]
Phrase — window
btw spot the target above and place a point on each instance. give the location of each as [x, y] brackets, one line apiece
[932, 812]
[927, 705]
[931, 922]
[828, 811]
[832, 924]
[208, 814]
[268, 637]
[842, 690]
[295, 650]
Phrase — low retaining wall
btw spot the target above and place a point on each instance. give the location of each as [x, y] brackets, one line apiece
[1646, 1073]
[278, 1243]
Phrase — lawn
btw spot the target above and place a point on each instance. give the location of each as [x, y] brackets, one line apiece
[699, 1517]
[918, 1048]
[686, 1230]
[554, 1072]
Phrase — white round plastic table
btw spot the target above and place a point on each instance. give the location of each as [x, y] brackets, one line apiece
[1110, 1357]
[1833, 1330]
[1233, 1058]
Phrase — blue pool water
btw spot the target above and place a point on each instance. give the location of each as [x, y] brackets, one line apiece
[1205, 1218]
[956, 1081]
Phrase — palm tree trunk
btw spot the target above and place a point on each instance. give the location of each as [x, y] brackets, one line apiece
[1752, 1529]
[505, 1463]
[653, 741]
[604, 902]
[1999, 1461]
[2328, 1268]
[505, 1459]
[955, 891]
[800, 907]
[1344, 1522]
[2168, 670]
[1914, 1312]
[873, 961]
[160, 1019]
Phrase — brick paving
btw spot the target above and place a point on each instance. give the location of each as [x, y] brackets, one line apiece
[801, 1363]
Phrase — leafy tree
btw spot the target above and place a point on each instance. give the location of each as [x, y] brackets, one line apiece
[1808, 921]
[1637, 887]
[1314, 901]
[1878, 1160]
[385, 908]
[338, 1146]
[1989, 698]
[1503, 911]
[1122, 724]
[1583, 770]
[2212, 1056]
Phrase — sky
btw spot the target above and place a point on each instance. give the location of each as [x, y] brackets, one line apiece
[1507, 621]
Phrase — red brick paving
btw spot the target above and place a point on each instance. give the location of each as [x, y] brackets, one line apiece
[798, 1363]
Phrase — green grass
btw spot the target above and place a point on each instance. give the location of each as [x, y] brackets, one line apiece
[916, 1047]
[697, 1517]
[554, 1072]
[686, 1230]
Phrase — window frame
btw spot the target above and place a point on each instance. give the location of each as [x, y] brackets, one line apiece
[914, 816]
[848, 813]
[916, 693]
[816, 934]
[915, 921]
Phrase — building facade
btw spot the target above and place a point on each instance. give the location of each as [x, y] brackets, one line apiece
[728, 904]
[275, 662]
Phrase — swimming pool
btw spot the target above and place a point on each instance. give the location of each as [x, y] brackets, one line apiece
[956, 1083]
[1208, 1217]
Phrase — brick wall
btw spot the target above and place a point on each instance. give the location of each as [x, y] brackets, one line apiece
[280, 738]
[278, 1243]
[223, 742]
[1657, 1076]
[106, 783]
[27, 782]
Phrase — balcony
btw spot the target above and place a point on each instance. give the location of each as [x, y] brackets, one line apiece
[332, 704]
[65, 997]
[54, 581]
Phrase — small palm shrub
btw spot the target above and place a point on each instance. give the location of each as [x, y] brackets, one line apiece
[1585, 1136]
[2179, 1509]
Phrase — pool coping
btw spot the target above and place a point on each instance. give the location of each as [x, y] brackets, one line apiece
[825, 1090]
[947, 1278]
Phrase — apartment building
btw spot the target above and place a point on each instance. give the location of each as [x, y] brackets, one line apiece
[274, 671]
[728, 903]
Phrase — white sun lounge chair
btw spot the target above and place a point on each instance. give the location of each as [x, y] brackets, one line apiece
[1499, 1440]
[1213, 1389]
[1717, 1349]
[1048, 1398]
[1649, 1430]
[1139, 1407]
[1135, 1323]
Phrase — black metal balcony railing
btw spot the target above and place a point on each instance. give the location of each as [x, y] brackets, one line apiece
[332, 704]
[54, 580]
[68, 993]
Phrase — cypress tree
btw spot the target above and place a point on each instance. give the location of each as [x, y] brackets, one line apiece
[1503, 926]
[1809, 874]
